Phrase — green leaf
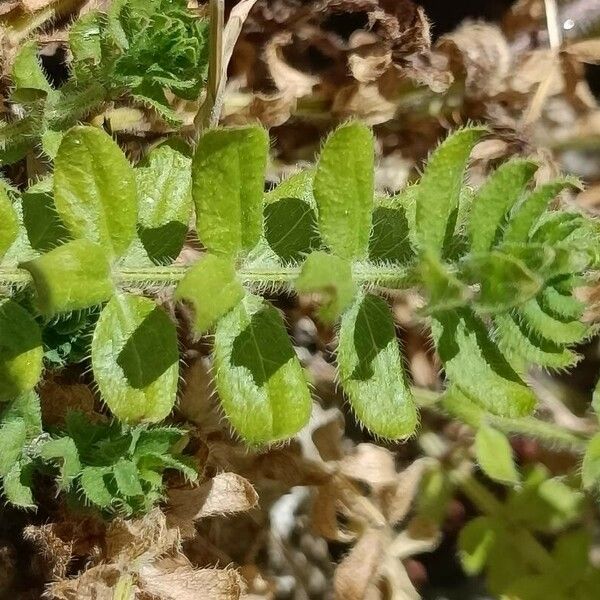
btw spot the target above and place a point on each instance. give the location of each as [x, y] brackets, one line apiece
[135, 359]
[549, 328]
[477, 367]
[389, 239]
[590, 469]
[127, 478]
[371, 370]
[10, 223]
[85, 44]
[65, 450]
[94, 487]
[494, 199]
[25, 407]
[330, 276]
[290, 218]
[475, 541]
[17, 485]
[445, 290]
[343, 190]
[526, 215]
[44, 227]
[562, 306]
[13, 436]
[228, 179]
[164, 185]
[71, 277]
[494, 455]
[524, 348]
[27, 71]
[21, 351]
[260, 382]
[504, 281]
[94, 189]
[438, 192]
[212, 288]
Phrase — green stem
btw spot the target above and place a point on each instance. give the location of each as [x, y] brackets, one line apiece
[528, 546]
[373, 275]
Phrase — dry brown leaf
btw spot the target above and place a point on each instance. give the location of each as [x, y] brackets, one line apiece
[587, 51]
[169, 579]
[97, 583]
[397, 504]
[55, 552]
[370, 464]
[8, 5]
[482, 53]
[34, 5]
[358, 572]
[224, 494]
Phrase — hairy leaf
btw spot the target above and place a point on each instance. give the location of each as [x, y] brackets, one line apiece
[17, 485]
[476, 366]
[438, 192]
[127, 478]
[212, 288]
[590, 469]
[503, 281]
[44, 227]
[13, 435]
[27, 71]
[10, 224]
[164, 185]
[228, 178]
[65, 451]
[135, 359]
[371, 370]
[331, 276]
[550, 328]
[343, 190]
[20, 351]
[94, 189]
[475, 541]
[494, 455]
[494, 199]
[259, 379]
[445, 290]
[71, 277]
[525, 216]
[290, 218]
[390, 236]
[94, 486]
[522, 347]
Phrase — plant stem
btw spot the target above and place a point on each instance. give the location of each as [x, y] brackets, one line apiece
[364, 274]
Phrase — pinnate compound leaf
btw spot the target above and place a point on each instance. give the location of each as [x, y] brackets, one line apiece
[260, 381]
[71, 277]
[164, 186]
[228, 179]
[475, 541]
[504, 281]
[212, 288]
[525, 216]
[494, 455]
[371, 370]
[477, 367]
[331, 276]
[494, 199]
[590, 469]
[343, 190]
[438, 192]
[95, 190]
[135, 359]
[65, 451]
[10, 224]
[21, 351]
